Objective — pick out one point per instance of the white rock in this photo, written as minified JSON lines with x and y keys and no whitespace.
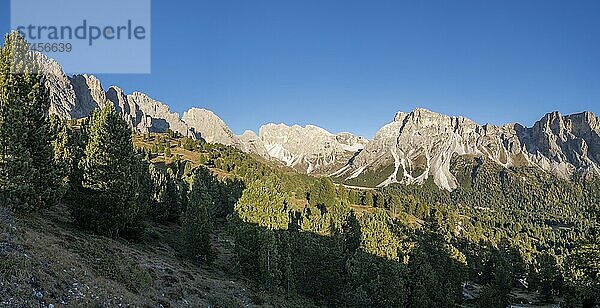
{"x":209,"y":126}
{"x":425,"y":140}
{"x":310,"y":149}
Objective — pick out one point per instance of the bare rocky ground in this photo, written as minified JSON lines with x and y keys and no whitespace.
{"x":46,"y":262}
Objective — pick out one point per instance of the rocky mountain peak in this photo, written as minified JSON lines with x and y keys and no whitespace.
{"x":209,"y":126}
{"x":89,"y":95}
{"x":62,"y":94}
{"x":584,"y":121}
{"x":423,"y":146}
{"x":248,"y":134}
{"x":413,"y":148}
{"x":351,"y":142}
{"x":116,"y":95}
{"x":424,"y":118}
{"x":154,"y":116}
{"x":309,"y":149}
{"x":552,"y":122}
{"x":250,"y":142}
{"x":400,"y":116}
{"x":77,"y":96}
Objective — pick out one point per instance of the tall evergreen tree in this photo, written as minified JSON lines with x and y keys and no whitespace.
{"x":47,"y":185}
{"x":113,"y":201}
{"x":176,"y":195}
{"x":197,"y":224}
{"x":158,"y":209}
{"x":63,"y":142}
{"x":16,"y":169}
{"x":322,"y":193}
{"x":28,"y":176}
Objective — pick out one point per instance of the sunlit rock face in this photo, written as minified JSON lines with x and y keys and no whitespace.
{"x":209,"y":126}
{"x":422,"y":143}
{"x":413,"y":148}
{"x":309,"y":149}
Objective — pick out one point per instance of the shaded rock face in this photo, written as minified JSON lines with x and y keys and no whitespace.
{"x":89,"y":95}
{"x":155,"y":116}
{"x":309,"y":149}
{"x":125,"y":107}
{"x":421,"y":145}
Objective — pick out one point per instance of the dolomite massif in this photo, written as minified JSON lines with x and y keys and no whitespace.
{"x":421,"y":145}
{"x":412,"y":149}
{"x":310,"y":149}
{"x":307,"y":149}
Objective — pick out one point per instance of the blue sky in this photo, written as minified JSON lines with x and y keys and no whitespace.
{"x":350,"y":65}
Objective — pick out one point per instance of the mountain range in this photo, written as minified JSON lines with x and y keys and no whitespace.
{"x":412,"y":149}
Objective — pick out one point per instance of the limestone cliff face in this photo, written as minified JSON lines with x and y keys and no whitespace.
{"x":422,"y":143}
{"x":250,"y":142}
{"x":415,"y":146}
{"x":89,"y":95}
{"x":62,"y":94}
{"x":127,"y":107}
{"x":77,"y":96}
{"x":209,"y":126}
{"x":156,"y":116}
{"x":309,"y":149}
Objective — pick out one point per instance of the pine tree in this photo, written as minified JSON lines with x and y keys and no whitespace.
{"x":64,"y":147}
{"x":197,"y":224}
{"x":176,"y":196}
{"x":28,"y":176}
{"x":47,"y":184}
{"x":158,"y":209}
{"x":323,"y":193}
{"x":113,"y":199}
{"x":16,"y":165}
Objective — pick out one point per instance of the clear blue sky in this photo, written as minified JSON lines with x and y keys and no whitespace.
{"x":350,"y":65}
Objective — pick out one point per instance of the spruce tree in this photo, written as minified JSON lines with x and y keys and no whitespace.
{"x":159,"y":207}
{"x":176,"y":196}
{"x":46,"y":182}
{"x":28,"y":176}
{"x":113,"y":201}
{"x":322,"y":193}
{"x":64,"y":152}
{"x":16,"y":166}
{"x":197,"y":224}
